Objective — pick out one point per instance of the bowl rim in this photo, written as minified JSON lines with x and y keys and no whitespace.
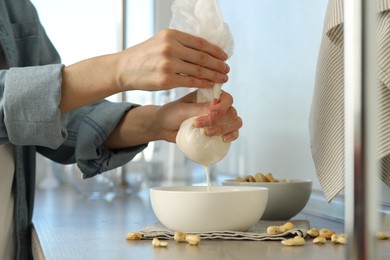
{"x":290,"y":181}
{"x":203,"y":189}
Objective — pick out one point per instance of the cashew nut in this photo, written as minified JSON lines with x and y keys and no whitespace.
{"x":157,"y":243}
{"x":240,"y":179}
{"x":326,"y":233}
{"x":382,"y":236}
{"x":313,"y":232}
{"x":259,"y":177}
{"x":133,"y":236}
{"x":286,"y":227}
{"x":319,"y":240}
{"x":193,"y":240}
{"x":270,"y":178}
{"x":274,"y":230}
{"x":296,"y":241}
{"x":180,"y":237}
{"x":249,"y":178}
{"x":339,"y":239}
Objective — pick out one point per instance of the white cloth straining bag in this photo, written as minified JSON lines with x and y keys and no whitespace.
{"x":202,"y":18}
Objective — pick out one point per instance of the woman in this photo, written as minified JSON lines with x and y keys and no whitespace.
{"x":60,"y":111}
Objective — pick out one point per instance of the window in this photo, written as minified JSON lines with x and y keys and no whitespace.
{"x":88,"y":28}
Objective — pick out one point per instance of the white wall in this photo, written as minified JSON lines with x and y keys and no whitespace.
{"x":81,"y":29}
{"x":272,"y":81}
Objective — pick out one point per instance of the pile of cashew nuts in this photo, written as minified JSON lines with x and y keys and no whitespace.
{"x":260,"y":177}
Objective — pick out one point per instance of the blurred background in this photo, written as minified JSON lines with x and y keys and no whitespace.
{"x":272,"y":80}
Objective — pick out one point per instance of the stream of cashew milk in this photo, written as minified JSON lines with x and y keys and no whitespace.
{"x":207,"y":167}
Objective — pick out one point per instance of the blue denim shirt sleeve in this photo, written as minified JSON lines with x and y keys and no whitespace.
{"x":92,"y":157}
{"x":30,"y":103}
{"x":31,"y":116}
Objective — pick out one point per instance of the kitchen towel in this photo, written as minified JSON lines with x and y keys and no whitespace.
{"x":326,"y":123}
{"x":257,"y":232}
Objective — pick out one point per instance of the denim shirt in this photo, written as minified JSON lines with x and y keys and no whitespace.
{"x":30,"y":92}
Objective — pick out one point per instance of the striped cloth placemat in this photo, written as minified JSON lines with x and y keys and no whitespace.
{"x":257,"y":232}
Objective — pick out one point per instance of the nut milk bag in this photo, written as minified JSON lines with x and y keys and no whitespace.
{"x":202,"y":18}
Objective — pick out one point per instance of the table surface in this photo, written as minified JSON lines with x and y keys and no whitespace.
{"x":68,"y":226}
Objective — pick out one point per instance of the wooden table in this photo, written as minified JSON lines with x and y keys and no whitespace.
{"x":68,"y":226}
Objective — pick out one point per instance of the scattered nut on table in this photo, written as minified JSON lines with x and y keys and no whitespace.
{"x":339,"y":239}
{"x":133,"y":236}
{"x":180,"y":237}
{"x":313,"y":232}
{"x":382,"y":236}
{"x":274,"y":230}
{"x":158,"y":243}
{"x":326,"y":233}
{"x":296,"y":241}
{"x":319,"y":240}
{"x":193,"y":240}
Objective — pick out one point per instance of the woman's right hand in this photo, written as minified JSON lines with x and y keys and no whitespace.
{"x":168,"y":60}
{"x":171,"y":59}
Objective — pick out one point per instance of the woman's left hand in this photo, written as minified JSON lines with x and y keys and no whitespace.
{"x":218,"y":117}
{"x":144,"y":124}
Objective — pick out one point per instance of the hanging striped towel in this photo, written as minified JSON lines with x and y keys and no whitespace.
{"x":326,"y":123}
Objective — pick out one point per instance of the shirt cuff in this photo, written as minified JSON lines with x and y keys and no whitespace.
{"x":91,"y":156}
{"x":31,"y":100}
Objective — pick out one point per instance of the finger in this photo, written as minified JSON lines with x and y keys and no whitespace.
{"x":224,"y":128}
{"x":230,"y":137}
{"x":221,"y":106}
{"x":214,"y":121}
{"x":203,"y":59}
{"x":230,"y":114}
{"x":191,"y":110}
{"x":200,"y":72}
{"x":181,"y":80}
{"x":198,"y":43}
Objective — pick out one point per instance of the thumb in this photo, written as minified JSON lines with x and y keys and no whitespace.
{"x":195,"y":110}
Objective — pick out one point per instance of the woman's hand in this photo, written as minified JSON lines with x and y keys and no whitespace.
{"x":172,"y":59}
{"x":168,"y":60}
{"x":217,"y":117}
{"x":150,"y":123}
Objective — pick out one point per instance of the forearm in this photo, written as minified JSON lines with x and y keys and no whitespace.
{"x":136,"y":127}
{"x":88,"y":81}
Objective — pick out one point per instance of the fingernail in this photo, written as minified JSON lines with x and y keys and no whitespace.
{"x":224,"y":55}
{"x":210,"y":131}
{"x":227,"y":138}
{"x":224,"y":78}
{"x":227,"y":68}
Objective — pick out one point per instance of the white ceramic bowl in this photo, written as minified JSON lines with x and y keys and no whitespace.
{"x":285,"y":199}
{"x":197,"y":209}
